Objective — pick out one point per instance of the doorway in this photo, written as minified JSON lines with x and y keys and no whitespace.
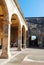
{"x":33,"y":41}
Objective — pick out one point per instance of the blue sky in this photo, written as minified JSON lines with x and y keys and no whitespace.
{"x":32,"y":8}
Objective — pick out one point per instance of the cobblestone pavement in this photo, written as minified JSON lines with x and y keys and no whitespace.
{"x":28,"y":56}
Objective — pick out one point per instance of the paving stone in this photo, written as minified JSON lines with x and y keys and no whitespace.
{"x":34,"y":54}
{"x":31,"y":63}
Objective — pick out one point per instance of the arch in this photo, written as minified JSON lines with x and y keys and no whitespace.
{"x":15,"y":17}
{"x":5,"y":9}
{"x":23,"y":37}
{"x":15,"y":31}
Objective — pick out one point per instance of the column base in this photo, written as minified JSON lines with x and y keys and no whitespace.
{"x":4,"y":56}
{"x":18,"y":49}
{"x":24,"y":46}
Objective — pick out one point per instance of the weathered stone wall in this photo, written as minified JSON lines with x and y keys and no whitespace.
{"x":36,"y":29}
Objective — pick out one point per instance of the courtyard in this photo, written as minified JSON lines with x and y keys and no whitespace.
{"x":28,"y":56}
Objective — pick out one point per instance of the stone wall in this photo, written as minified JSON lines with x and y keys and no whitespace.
{"x":36,"y":29}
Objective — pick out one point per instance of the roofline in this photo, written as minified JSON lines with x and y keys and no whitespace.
{"x":19,"y":9}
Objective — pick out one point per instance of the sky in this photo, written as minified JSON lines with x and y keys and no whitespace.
{"x":32,"y":8}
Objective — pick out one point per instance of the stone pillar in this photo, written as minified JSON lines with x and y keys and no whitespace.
{"x":9,"y":33}
{"x":19,"y":39}
{"x":24,"y":39}
{"x":5,"y":42}
{"x":5,"y":47}
{"x":1,"y":41}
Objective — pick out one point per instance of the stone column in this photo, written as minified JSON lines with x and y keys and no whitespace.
{"x":19,"y":39}
{"x":24,"y":39}
{"x":1,"y":41}
{"x":9,"y":33}
{"x":5,"y":42}
{"x":5,"y":47}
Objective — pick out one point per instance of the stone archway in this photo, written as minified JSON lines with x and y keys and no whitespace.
{"x":4,"y":20}
{"x":16,"y":38}
{"x":23,"y":37}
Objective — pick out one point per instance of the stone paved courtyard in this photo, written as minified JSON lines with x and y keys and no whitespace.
{"x":28,"y":56}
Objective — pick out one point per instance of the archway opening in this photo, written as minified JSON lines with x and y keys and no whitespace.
{"x":33,"y":41}
{"x":14,"y":36}
{"x":14,"y":31}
